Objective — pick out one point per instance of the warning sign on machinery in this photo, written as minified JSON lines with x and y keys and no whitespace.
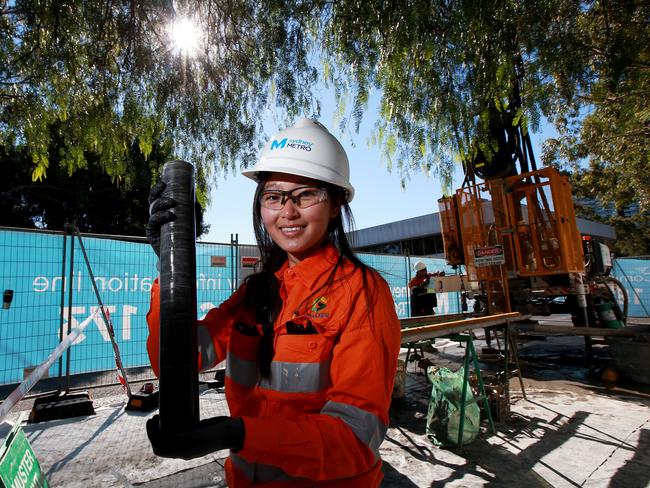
{"x":489,"y":256}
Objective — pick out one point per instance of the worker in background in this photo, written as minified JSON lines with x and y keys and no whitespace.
{"x":423,"y":302}
{"x":310,"y":342}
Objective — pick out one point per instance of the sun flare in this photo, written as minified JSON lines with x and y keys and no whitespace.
{"x":185,"y":36}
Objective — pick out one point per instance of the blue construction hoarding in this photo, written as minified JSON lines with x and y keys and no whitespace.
{"x":32,"y":268}
{"x":634,"y":275}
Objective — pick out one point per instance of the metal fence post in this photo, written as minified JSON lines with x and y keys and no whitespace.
{"x":70,"y":287}
{"x":234,"y":260}
{"x":408,"y":278}
{"x":63,"y":263}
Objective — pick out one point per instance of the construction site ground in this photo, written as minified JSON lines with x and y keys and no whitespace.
{"x":573,"y":429}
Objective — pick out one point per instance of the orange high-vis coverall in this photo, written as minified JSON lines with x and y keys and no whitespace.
{"x":319,"y":419}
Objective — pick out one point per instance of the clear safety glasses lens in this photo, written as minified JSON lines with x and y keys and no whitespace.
{"x":302,"y":197}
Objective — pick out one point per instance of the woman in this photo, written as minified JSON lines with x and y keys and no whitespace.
{"x":310,"y":342}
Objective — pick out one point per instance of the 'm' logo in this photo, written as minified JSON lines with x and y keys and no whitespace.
{"x":319,"y":304}
{"x":278,"y":144}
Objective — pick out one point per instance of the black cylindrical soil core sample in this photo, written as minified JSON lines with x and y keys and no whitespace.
{"x":178,"y":383}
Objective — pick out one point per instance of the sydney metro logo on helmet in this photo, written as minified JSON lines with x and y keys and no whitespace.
{"x":292,"y":143}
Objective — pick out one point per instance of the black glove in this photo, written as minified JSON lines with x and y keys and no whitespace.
{"x":210,"y":435}
{"x":159,"y":214}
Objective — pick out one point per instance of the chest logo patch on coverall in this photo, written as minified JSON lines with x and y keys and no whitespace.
{"x":317,"y":306}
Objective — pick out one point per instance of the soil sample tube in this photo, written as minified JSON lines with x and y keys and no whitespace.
{"x":178,"y":383}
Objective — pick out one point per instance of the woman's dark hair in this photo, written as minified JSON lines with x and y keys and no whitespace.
{"x":262,"y":288}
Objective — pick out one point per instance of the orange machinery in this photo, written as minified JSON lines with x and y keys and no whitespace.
{"x":527,"y":223}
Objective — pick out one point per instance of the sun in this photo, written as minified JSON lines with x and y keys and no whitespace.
{"x":185,"y":37}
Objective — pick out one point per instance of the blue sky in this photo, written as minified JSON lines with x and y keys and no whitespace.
{"x":379,"y":198}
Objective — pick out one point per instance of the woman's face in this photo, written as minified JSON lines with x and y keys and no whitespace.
{"x":298,"y":231}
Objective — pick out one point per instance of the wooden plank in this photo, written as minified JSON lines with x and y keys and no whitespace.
{"x":432,"y":319}
{"x":431,"y":331}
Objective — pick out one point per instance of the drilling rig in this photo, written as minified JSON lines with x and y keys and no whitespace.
{"x":512,"y":229}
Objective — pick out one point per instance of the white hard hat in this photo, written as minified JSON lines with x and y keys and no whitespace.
{"x":419,"y":265}
{"x":306,"y":149}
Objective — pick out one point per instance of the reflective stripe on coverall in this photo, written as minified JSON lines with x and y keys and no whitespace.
{"x":319,"y":419}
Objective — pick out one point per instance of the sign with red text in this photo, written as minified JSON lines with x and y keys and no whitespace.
{"x":489,"y":256}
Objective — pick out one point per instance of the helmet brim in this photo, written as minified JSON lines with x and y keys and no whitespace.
{"x":311,"y":170}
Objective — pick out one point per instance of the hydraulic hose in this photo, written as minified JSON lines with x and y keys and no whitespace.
{"x":178,"y":382}
{"x":611,"y":279}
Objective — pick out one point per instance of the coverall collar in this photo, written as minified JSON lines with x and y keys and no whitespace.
{"x":310,"y":269}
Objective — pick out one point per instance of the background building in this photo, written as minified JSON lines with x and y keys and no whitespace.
{"x":421,"y":236}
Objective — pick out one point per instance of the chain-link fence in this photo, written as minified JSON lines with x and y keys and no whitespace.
{"x":634,"y":274}
{"x":48,"y":289}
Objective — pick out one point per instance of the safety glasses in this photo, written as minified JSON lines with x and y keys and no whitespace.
{"x":302,"y":197}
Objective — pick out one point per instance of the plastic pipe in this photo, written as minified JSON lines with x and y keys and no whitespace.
{"x":178,"y":382}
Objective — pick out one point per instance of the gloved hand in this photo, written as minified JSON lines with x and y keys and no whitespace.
{"x":210,"y":435}
{"x":159,"y":214}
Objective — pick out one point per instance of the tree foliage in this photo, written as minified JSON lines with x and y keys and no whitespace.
{"x":604,"y":135}
{"x":105,"y":75}
{"x":89,"y":196}
{"x":444,"y":68}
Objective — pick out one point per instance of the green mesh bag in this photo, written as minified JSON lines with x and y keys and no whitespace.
{"x":443,"y":417}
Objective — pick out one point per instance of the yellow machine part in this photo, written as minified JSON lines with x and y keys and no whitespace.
{"x":450,"y":232}
{"x":544,"y":233}
{"x":531,"y":215}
